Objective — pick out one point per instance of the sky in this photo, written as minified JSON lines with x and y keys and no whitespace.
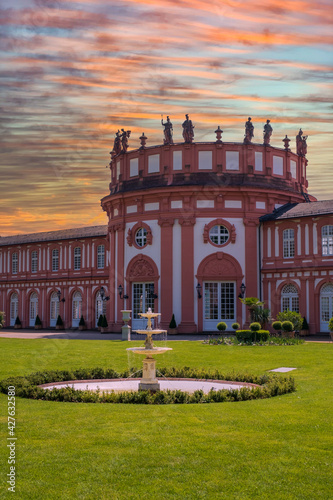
{"x":73,"y":72}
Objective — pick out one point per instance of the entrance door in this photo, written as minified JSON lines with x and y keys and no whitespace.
{"x":219,"y":304}
{"x":326,"y":306}
{"x":100,"y":308}
{"x":141,"y":302}
{"x":76,"y":309}
{"x":54,"y":309}
{"x":33,"y":309}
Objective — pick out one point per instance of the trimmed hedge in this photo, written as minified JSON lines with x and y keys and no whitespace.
{"x":269,"y":385}
{"x":252,"y":336}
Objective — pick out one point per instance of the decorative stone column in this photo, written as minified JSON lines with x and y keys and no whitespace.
{"x":166,"y":270}
{"x":126,"y":329}
{"x":187,"y":324}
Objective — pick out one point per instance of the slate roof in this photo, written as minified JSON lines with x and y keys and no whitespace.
{"x":296,"y":210}
{"x":63,"y":234}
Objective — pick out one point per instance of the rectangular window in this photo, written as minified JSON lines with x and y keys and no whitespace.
{"x":288,"y":243}
{"x":205,"y":160}
{"x":34,"y":261}
{"x":177,"y":160}
{"x":55,"y":260}
{"x":258,"y":161}
{"x":227,"y":300}
{"x":77,"y":258}
{"x":277,"y":165}
{"x":327,"y":240}
{"x":100,"y":256}
{"x":219,"y":302}
{"x":153,"y":164}
{"x":14,"y":262}
{"x":134,"y":167}
{"x":232,"y":160}
{"x":293,"y":169}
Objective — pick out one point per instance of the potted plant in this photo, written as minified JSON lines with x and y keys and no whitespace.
{"x":38,"y":323}
{"x":104,"y":326}
{"x":59,"y":323}
{"x":277,"y":325}
{"x":288,"y":329}
{"x":82,"y":324}
{"x":305,"y":328}
{"x":18,"y":323}
{"x":330,"y":327}
{"x":99,"y":322}
{"x":172,"y":330}
{"x":222,"y":326}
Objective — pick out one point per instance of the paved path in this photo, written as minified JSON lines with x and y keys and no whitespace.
{"x":95,"y":335}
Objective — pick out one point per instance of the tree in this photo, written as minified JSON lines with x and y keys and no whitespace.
{"x":258,"y":313}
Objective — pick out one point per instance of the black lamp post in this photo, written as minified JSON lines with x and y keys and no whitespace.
{"x":198,"y":289}
{"x":59,"y":295}
{"x":120,"y":291}
{"x":242,"y":289}
{"x":102,"y":294}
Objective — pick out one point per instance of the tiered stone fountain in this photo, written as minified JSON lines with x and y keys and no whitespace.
{"x":149,"y":380}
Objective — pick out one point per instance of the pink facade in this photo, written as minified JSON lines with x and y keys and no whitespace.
{"x":188,"y":224}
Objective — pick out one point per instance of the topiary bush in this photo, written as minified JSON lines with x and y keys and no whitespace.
{"x":330,"y":325}
{"x":18,"y":321}
{"x":277,"y":325}
{"x":38,"y":321}
{"x":59,"y":321}
{"x":221,"y":326}
{"x":82,"y":322}
{"x":235,"y":326}
{"x":255,"y":327}
{"x":287,"y":326}
{"x":104,"y":322}
{"x":292,"y":316}
{"x":249,"y":336}
{"x":100,"y":321}
{"x":173,"y":324}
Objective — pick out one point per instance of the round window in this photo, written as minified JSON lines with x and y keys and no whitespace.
{"x":219,"y":235}
{"x":141,"y":237}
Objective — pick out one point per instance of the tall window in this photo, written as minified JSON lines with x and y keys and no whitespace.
{"x":33,"y":308}
{"x":289,"y":298}
{"x":55,"y":260}
{"x":13,"y":308}
{"x":100,"y":256}
{"x":141,"y":237}
{"x":77,"y":258}
{"x":34,"y":261}
{"x":327,"y":240}
{"x":288,"y":243}
{"x":14,"y":262}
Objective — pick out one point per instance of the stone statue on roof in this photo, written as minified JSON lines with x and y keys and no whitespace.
{"x":124,"y":139}
{"x":168,"y":131}
{"x":249,"y":131}
{"x":301,"y":145}
{"x":188,"y":130}
{"x":268,"y":130}
{"x":116,"y":145}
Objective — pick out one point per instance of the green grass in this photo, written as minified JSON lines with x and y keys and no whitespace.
{"x":278,"y":448}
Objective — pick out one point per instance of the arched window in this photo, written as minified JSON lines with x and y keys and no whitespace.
{"x":76,"y":309}
{"x":326,"y":306}
{"x":55,"y":259}
{"x":14,"y":262}
{"x":33,"y":308}
{"x":327,"y":240}
{"x":219,"y":235}
{"x":54,"y":309}
{"x":288,"y":243}
{"x":100,"y":257}
{"x":100,"y":307}
{"x":13,"y":308}
{"x":34,"y":261}
{"x":77,"y":258}
{"x":141,"y":237}
{"x":289,"y":298}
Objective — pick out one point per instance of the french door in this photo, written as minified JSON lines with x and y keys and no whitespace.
{"x":219,"y":304}
{"x":326,"y":306}
{"x":141,"y":301}
{"x":54,"y":309}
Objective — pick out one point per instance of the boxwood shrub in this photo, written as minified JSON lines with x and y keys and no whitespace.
{"x":252,"y":336}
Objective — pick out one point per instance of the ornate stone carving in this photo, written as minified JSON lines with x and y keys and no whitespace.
{"x":268,"y":130}
{"x":218,"y":133}
{"x":220,"y":269}
{"x":141,"y":269}
{"x":188,"y":130}
{"x":116,"y":145}
{"x":131,"y":234}
{"x":168,"y":131}
{"x":286,"y":141}
{"x":301,"y":144}
{"x":249,"y":131}
{"x":143,"y":140}
{"x":124,"y":139}
{"x":187,"y":221}
{"x":166,"y":221}
{"x":220,"y":222}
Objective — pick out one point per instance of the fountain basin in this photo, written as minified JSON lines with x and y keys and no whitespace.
{"x":149,"y":352}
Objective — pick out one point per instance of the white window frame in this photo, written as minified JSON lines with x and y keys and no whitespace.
{"x":100,"y":256}
{"x":327,"y":240}
{"x":34,"y":261}
{"x":288,"y":240}
{"x":221,"y":234}
{"x":55,"y":260}
{"x":141,"y":237}
{"x":14,"y":262}
{"x":77,"y":258}
{"x":289,"y":298}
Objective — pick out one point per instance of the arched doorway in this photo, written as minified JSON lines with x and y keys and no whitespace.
{"x":100,"y":307}
{"x":326,"y":306}
{"x":13,"y":308}
{"x":289,"y":298}
{"x":54,"y":309}
{"x":221,"y":277}
{"x":76,"y":309}
{"x":33,"y":308}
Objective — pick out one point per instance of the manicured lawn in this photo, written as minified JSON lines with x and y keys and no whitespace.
{"x":280,"y":448}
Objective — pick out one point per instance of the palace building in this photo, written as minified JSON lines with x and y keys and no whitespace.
{"x":191,"y":227}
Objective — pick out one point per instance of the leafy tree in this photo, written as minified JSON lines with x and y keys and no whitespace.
{"x":292,"y":316}
{"x":258,"y":313}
